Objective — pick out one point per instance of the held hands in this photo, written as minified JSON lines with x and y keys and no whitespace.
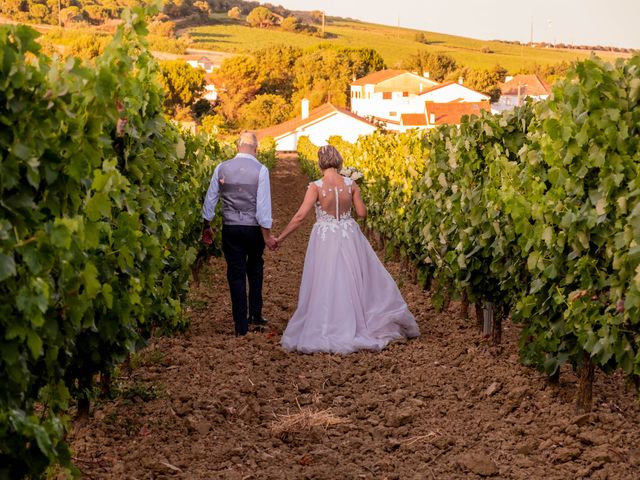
{"x":272,"y":243}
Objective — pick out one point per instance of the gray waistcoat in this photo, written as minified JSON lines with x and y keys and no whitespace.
{"x":238,"y":179}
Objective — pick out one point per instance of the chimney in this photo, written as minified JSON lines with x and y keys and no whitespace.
{"x":432,"y":118}
{"x":460,"y":80}
{"x":305,"y":108}
{"x":425,"y":74}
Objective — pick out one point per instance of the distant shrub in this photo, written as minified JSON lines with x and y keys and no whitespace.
{"x":290,"y":24}
{"x":163,"y":29}
{"x":486,"y":49}
{"x":234,"y":13}
{"x":420,"y":37}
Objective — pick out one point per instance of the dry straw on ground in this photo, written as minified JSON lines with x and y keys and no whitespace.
{"x":303,"y":421}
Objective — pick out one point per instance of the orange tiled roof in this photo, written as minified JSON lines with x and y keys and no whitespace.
{"x":315,"y":115}
{"x":413,"y":119}
{"x":529,"y":85}
{"x":453,"y":112}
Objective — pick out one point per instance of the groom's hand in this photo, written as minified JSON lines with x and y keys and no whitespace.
{"x":207,"y":235}
{"x":271,"y":242}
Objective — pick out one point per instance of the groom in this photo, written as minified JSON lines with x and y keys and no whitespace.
{"x":242,"y":184}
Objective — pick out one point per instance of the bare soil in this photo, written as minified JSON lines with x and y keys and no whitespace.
{"x":208,"y":405}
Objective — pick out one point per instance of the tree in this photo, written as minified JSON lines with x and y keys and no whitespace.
{"x":71,"y":15}
{"x":363,"y":61}
{"x":183,"y":83}
{"x":238,"y":81}
{"x":317,"y":16}
{"x":234,"y":13}
{"x":420,"y":37}
{"x":261,"y":17}
{"x":484,"y":81}
{"x":201,"y":108}
{"x":87,"y":46}
{"x":38,"y":12}
{"x":276,"y":66}
{"x":439,"y":65}
{"x":500,"y":72}
{"x":290,"y":24}
{"x":164,"y":29}
{"x":265,"y":110}
{"x":322,"y":76}
{"x":202,"y":8}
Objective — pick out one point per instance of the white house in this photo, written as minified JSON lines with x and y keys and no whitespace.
{"x":452,"y":92}
{"x":319,"y":124}
{"x":387,"y":94}
{"x":203,"y":62}
{"x":515,"y":90}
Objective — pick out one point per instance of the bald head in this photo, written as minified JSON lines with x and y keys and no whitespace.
{"x":248,"y":143}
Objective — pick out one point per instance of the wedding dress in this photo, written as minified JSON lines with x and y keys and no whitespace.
{"x":347,"y":301}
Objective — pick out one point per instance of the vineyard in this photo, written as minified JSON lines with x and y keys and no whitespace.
{"x":533,"y":214}
{"x":531,"y":217}
{"x":99,"y":228}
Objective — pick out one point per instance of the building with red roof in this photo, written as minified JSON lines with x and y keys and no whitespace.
{"x":318,"y":124}
{"x":515,"y":90}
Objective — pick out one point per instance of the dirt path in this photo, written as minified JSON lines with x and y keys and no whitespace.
{"x":204,"y":405}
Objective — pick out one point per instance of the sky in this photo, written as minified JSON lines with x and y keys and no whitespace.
{"x":579,"y":22}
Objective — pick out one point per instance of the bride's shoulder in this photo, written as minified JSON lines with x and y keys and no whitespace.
{"x":317,"y":183}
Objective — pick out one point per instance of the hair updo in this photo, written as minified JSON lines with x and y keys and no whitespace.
{"x":329,"y":157}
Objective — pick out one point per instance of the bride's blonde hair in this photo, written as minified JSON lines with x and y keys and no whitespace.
{"x":329,"y":157}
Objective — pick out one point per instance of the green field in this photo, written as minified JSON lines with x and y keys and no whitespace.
{"x":393,"y":43}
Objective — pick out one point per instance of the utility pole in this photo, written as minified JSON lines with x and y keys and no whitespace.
{"x":59,"y":15}
{"x":531,"y":37}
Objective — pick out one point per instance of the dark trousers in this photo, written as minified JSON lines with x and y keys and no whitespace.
{"x":243,"y":247}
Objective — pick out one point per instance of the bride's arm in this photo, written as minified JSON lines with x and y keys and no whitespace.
{"x":358,"y":204}
{"x":307,"y":204}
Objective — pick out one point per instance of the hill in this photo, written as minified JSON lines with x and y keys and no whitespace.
{"x":393,"y":43}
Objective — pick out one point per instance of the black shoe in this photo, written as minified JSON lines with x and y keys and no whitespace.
{"x":260,"y":322}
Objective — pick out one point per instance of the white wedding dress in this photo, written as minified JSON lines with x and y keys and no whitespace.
{"x":347,"y":301}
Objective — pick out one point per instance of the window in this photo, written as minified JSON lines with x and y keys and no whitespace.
{"x":405,"y":94}
{"x":386,"y":95}
{"x":393,"y":114}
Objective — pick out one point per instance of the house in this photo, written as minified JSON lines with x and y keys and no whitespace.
{"x":452,"y":92}
{"x":388,"y":94}
{"x":436,"y":114}
{"x":318,"y":124}
{"x":211,"y":92}
{"x":203,"y":62}
{"x":516,"y":89}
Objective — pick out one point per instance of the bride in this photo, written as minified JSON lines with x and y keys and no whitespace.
{"x":347,"y":301}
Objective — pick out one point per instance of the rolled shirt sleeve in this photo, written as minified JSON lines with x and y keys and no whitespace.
{"x":263,"y":205}
{"x":211,"y":199}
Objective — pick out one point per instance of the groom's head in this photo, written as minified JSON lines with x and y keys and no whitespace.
{"x":248,"y":143}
